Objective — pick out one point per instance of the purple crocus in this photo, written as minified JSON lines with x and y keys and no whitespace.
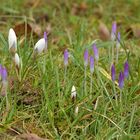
{"x":45,"y":37}
{"x":113,"y":32}
{"x":66,"y":55}
{"x":86,"y":58}
{"x":95,"y":50}
{"x":4,"y":74}
{"x":126,"y":69}
{"x":91,"y":64}
{"x":121,"y":80}
{"x":118,"y":40}
{"x":113,"y":72}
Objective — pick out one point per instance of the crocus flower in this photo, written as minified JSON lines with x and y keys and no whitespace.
{"x":126,"y":69}
{"x":45,"y":37}
{"x":121,"y":80}
{"x":95,"y":50}
{"x":118,"y":40}
{"x":17,"y":60}
{"x":113,"y":32}
{"x":40,"y":46}
{"x":66,"y":55}
{"x":76,"y":110}
{"x":12,"y":40}
{"x":91,"y":64}
{"x":86,"y":58}
{"x":4,"y":81}
{"x":4,"y":74}
{"x":73,"y":92}
{"x":113,"y":72}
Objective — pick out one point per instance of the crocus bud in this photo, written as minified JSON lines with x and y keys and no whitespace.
{"x":40,"y":46}
{"x":12,"y":40}
{"x":113,"y":32}
{"x":118,"y":40}
{"x":17,"y":60}
{"x":73,"y":92}
{"x":121,"y":80}
{"x":91,"y":64}
{"x":126,"y":69}
{"x":76,"y":110}
{"x":66,"y":55}
{"x":4,"y":74}
{"x":95,"y":50}
{"x":86,"y":58}
{"x":46,"y":41}
{"x":113,"y":72}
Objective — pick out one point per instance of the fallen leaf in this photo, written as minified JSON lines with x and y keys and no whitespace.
{"x":104,"y":33}
{"x":23,"y":27}
{"x":78,"y":9}
{"x":133,"y":31}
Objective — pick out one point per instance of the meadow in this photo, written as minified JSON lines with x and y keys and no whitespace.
{"x":70,"y":70}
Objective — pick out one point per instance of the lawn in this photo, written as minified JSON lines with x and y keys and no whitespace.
{"x":71,"y":70}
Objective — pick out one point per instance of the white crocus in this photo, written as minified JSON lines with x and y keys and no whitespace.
{"x":12,"y":40}
{"x":76,"y":110}
{"x":40,"y":46}
{"x":73,"y":92}
{"x":17,"y":60}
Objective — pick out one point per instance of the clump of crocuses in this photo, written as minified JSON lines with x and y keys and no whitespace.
{"x":122,"y":75}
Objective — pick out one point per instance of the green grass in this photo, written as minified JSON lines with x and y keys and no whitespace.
{"x":39,"y":99}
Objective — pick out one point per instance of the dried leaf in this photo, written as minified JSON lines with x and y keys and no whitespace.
{"x":104,"y":33}
{"x":133,"y":31}
{"x":78,"y":9}
{"x":23,"y":27}
{"x":31,"y":136}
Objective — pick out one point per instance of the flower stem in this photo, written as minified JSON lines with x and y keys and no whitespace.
{"x":91,"y":81}
{"x":65,"y":74}
{"x":85,"y":75}
{"x":117,"y":54}
{"x":116,"y":99}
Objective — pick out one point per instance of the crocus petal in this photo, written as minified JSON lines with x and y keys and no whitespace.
{"x":12,"y":40}
{"x":17,"y":60}
{"x":95,"y":50}
{"x":118,"y":40}
{"x":126,"y":69}
{"x":121,"y":80}
{"x":66,"y":55}
{"x":73,"y":92}
{"x":91,"y":64}
{"x":76,"y":110}
{"x":40,"y":45}
{"x":113,"y":32}
{"x":86,"y":58}
{"x":4,"y":74}
{"x":46,"y":41}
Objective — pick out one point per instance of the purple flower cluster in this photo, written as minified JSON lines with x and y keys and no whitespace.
{"x":122,"y":75}
{"x":91,"y":58}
